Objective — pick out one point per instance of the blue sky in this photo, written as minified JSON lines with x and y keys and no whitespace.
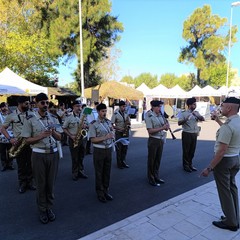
{"x":152,"y":35}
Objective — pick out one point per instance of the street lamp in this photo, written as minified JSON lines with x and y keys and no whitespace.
{"x":234,"y":4}
{"x":81,"y":48}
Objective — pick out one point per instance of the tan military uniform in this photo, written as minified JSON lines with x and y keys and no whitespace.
{"x":44,"y":157}
{"x":191,"y":125}
{"x":102,"y":155}
{"x":227,"y":168}
{"x":71,"y":123}
{"x":189,"y":138}
{"x":16,"y":120}
{"x":121,"y":121}
{"x":155,"y":146}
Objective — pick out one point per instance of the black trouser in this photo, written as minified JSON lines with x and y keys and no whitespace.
{"x":155,"y":149}
{"x":5,"y":160}
{"x":88,"y":147}
{"x":189,"y":142}
{"x":102,"y":159}
{"x":121,"y":150}
{"x":77,"y":155}
{"x":24,"y":164}
{"x":45,"y":168}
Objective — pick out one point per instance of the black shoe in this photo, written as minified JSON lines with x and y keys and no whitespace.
{"x":50,"y":214}
{"x":220,"y":224}
{"x":22,"y":189}
{"x":125,"y":165}
{"x":81,"y":174}
{"x":153,"y":183}
{"x":121,"y":167}
{"x":187,"y":169}
{"x":102,"y":199}
{"x":159,"y":180}
{"x":43,"y":217}
{"x":193,"y":168}
{"x":31,"y":187}
{"x":108,"y":196}
{"x":223,"y":218}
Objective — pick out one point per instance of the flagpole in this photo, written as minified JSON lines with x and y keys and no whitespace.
{"x":81,"y":49}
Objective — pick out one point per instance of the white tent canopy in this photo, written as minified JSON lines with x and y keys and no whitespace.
{"x":159,"y":91}
{"x":209,"y":91}
{"x":144,"y":89}
{"x":10,"y":90}
{"x":195,"y":92}
{"x":176,"y":92}
{"x":13,"y":80}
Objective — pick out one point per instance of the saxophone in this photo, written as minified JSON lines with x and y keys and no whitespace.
{"x":16,"y":149}
{"x":127,"y":126}
{"x":81,"y":133}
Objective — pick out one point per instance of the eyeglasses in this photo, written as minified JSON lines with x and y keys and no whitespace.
{"x":44,"y":102}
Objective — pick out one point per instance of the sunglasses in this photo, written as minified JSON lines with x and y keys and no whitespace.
{"x":44,"y":102}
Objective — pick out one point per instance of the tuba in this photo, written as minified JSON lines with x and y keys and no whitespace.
{"x":81,"y":133}
{"x":16,"y":149}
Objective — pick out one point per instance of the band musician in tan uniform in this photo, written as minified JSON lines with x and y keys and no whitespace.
{"x":156,"y":127}
{"x":42,"y":131}
{"x":71,"y":128}
{"x":121,"y":123}
{"x":225,"y":163}
{"x":101,"y":135}
{"x":16,"y":119}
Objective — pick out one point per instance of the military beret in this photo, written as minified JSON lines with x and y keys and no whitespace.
{"x":41,"y":96}
{"x":156,"y":103}
{"x":22,"y":99}
{"x":2,"y":104}
{"x":232,"y":100}
{"x":122,"y":103}
{"x":191,"y":101}
{"x":101,"y":106}
{"x":76,"y":102}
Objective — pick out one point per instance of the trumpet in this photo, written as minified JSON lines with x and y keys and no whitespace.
{"x":216,"y":113}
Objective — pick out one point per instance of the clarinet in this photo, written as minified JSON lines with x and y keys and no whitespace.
{"x":166,"y":122}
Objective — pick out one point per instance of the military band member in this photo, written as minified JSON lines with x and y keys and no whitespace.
{"x":156,"y":127}
{"x":71,"y":127}
{"x":101,"y":135}
{"x":93,"y":116}
{"x":42,"y":131}
{"x":121,"y":123}
{"x":189,"y":120}
{"x":16,"y":119}
{"x":5,"y":145}
{"x":225,"y":163}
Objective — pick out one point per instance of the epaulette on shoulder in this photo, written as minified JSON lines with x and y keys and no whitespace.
{"x":115,"y":113}
{"x":29,"y":116}
{"x":93,"y":122}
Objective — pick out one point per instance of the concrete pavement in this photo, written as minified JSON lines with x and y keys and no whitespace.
{"x":187,"y":216}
